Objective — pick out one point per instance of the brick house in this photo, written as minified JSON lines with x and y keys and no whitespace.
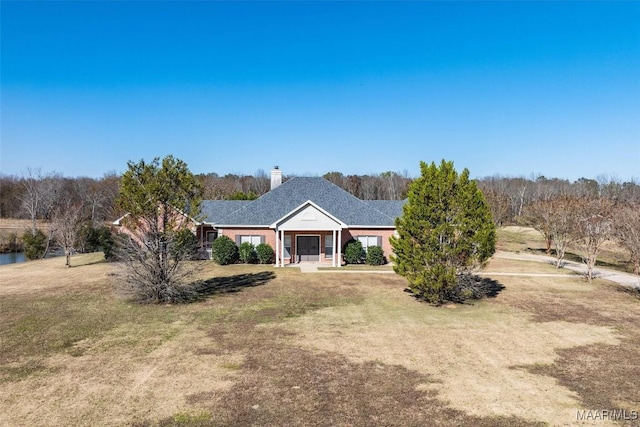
{"x":305,"y":219}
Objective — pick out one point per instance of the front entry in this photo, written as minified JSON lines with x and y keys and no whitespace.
{"x":308,"y":248}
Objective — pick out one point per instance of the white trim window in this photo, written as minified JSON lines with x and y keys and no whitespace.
{"x":368,"y":241}
{"x":255,"y":240}
{"x":328,"y":246}
{"x":287,"y":246}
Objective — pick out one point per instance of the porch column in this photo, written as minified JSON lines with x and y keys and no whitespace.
{"x":277,"y":247}
{"x":333,"y":255}
{"x":339,"y":247}
{"x":282,"y":247}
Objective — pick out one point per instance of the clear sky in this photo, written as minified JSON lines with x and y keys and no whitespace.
{"x":510,"y":88}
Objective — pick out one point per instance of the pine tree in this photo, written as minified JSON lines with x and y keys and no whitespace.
{"x":162,"y":199}
{"x":446,"y":231}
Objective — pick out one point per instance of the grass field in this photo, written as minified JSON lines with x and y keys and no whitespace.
{"x":276,"y":347}
{"x":11,"y":231}
{"x":19,"y":226}
{"x":525,"y":239}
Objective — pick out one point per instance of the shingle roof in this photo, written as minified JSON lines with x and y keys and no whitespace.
{"x":283,"y":199}
{"x":392,"y":208}
{"x":214,"y":210}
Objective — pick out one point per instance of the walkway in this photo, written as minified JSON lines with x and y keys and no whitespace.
{"x":307,"y":268}
{"x":313,"y":268}
{"x":598,"y":272}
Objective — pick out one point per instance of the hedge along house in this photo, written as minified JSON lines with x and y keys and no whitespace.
{"x":305,"y":219}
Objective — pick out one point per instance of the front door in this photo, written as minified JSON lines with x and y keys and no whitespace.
{"x":308,"y":248}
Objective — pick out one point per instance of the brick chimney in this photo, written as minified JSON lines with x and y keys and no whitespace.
{"x":276,"y":177}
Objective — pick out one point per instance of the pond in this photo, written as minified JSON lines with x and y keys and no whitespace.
{"x":12,"y":258}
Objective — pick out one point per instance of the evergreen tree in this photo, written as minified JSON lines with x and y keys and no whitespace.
{"x":162,"y":200}
{"x":446,"y":230}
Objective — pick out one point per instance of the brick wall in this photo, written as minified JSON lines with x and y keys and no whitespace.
{"x":270,"y":237}
{"x":384,"y":233}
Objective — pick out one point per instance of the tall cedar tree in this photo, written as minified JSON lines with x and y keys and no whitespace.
{"x":446,"y":230}
{"x":161,"y":199}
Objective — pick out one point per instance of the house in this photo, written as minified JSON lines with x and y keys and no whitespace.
{"x":305,"y":219}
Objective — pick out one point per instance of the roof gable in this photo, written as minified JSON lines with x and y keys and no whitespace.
{"x":308,"y":216}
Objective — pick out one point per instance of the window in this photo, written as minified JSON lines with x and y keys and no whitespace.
{"x":328,"y":246}
{"x":211,"y":236}
{"x":368,"y":241}
{"x":254,"y":240}
{"x":287,"y":246}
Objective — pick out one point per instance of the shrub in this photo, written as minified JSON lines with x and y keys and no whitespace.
{"x":247,"y":253}
{"x":375,"y":256}
{"x":87,"y":239}
{"x":34,"y":244}
{"x":265,"y":253}
{"x":224,"y":251}
{"x":353,"y":252}
{"x":105,"y":237}
{"x":96,"y":239}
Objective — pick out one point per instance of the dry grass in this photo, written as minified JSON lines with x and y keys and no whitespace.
{"x":469,"y":352}
{"x":305,"y":349}
{"x":525,"y":239}
{"x":603,"y":375}
{"x":519,"y":239}
{"x":517,"y":266}
{"x":18,"y":226}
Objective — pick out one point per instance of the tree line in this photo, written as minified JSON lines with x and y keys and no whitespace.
{"x":558,"y":208}
{"x":38,"y":195}
{"x":509,"y":196}
{"x":72,"y":214}
{"x":583,"y":214}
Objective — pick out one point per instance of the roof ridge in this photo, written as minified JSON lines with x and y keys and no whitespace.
{"x":383,"y":200}
{"x":357,"y":198}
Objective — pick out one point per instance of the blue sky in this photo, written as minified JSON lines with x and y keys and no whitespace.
{"x":509,"y":88}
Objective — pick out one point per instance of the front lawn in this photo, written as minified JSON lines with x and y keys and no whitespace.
{"x":276,"y":347}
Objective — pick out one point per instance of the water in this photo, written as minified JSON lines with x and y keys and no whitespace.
{"x":12,"y":257}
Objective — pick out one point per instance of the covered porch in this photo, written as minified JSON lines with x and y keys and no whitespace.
{"x":308,"y":234}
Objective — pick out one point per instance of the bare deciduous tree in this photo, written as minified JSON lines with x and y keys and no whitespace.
{"x":627,"y":232}
{"x":261,"y":182}
{"x":562,"y":225}
{"x":539,"y":215}
{"x":51,"y":192}
{"x":32,"y":195}
{"x":594,"y":226}
{"x":368,"y":188}
{"x":65,"y":225}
